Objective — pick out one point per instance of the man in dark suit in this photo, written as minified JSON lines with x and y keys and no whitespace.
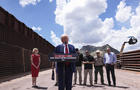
{"x":65,"y":69}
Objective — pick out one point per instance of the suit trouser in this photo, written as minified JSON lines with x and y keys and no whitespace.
{"x":78,"y":70}
{"x":90,"y":71}
{"x":110,"y":68}
{"x":64,"y":78}
{"x":100,"y":70}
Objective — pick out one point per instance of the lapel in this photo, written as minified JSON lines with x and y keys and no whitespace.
{"x":70,"y":49}
{"x":62,"y":48}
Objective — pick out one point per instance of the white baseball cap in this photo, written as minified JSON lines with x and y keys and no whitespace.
{"x":98,"y":51}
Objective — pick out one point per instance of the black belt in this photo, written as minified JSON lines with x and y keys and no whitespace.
{"x":108,"y":64}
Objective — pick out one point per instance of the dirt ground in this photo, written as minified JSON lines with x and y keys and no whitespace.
{"x":126,"y":80}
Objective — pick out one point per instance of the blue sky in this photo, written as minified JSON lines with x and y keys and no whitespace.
{"x":57,"y":17}
{"x":40,"y":15}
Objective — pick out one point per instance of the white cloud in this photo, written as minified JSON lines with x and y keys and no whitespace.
{"x":135,"y":24}
{"x":135,"y":21}
{"x":36,"y":28}
{"x":77,"y":15}
{"x":80,"y":19}
{"x":23,"y":3}
{"x":55,"y":39}
{"x":123,"y":12}
{"x":117,"y":37}
{"x":50,"y":1}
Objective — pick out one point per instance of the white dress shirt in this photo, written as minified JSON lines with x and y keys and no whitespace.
{"x":110,"y":58}
{"x":65,"y":48}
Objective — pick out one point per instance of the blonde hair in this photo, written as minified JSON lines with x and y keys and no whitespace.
{"x":64,"y":36}
{"x":34,"y":50}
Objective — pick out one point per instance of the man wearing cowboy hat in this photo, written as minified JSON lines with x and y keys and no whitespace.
{"x":98,"y":65}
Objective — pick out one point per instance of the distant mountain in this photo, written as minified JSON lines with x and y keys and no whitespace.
{"x":92,"y":49}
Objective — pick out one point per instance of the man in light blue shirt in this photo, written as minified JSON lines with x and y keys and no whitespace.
{"x":110,"y":60}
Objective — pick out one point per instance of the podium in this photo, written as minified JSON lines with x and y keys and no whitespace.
{"x":58,"y":57}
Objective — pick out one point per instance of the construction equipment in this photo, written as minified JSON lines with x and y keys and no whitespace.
{"x":131,"y":41}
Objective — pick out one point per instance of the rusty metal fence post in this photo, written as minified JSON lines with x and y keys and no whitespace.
{"x":23,"y":59}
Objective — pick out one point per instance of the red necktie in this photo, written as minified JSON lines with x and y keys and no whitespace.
{"x":66,"y":52}
{"x":66,"y":49}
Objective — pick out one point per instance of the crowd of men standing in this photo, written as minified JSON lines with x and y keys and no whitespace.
{"x":65,"y":75}
{"x":108,"y":60}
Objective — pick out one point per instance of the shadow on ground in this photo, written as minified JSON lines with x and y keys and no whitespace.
{"x":43,"y":88}
{"x":102,"y":86}
{"x":124,"y":87}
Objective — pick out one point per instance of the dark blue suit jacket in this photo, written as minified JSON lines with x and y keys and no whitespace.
{"x":60,"y":49}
